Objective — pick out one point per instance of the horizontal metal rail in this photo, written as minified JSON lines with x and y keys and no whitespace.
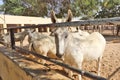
{"x":83,"y":73}
{"x":115,"y":20}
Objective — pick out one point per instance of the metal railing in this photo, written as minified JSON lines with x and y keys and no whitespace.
{"x":64,"y":24}
{"x":82,"y":72}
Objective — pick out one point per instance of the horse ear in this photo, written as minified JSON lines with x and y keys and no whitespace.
{"x":53,"y":17}
{"x":69,"y":17}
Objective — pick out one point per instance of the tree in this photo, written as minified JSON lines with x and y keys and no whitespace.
{"x":85,"y":7}
{"x":109,"y":8}
{"x":36,"y":7}
{"x":25,"y":7}
{"x":13,"y":7}
{"x":60,"y":7}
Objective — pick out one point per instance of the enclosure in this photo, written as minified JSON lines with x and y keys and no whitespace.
{"x":32,"y":69}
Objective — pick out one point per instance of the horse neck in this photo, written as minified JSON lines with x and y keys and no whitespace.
{"x":25,"y":32}
{"x":21,"y":34}
{"x":30,"y":34}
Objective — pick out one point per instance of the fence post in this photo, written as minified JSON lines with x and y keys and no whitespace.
{"x":12,"y":39}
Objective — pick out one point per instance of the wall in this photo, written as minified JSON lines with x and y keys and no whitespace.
{"x":10,"y":71}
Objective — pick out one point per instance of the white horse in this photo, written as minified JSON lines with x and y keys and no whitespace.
{"x":74,"y":48}
{"x":20,"y":36}
{"x":44,"y":44}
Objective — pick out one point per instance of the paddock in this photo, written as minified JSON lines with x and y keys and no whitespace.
{"x":110,"y":68}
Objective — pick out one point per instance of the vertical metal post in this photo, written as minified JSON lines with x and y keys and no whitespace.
{"x":12,"y":39}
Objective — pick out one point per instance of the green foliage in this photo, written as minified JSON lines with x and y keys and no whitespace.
{"x":25,"y":7}
{"x":85,"y":8}
{"x":13,"y":7}
{"x":35,"y":7}
{"x":109,"y":8}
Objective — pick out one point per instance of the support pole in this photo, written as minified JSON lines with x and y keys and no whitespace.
{"x":12,"y":39}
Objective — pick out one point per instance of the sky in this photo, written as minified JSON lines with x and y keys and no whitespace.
{"x":1,"y":2}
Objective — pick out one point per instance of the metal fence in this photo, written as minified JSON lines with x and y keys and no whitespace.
{"x":82,"y":72}
{"x":64,"y":24}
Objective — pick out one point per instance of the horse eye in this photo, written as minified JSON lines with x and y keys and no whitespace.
{"x":66,"y":36}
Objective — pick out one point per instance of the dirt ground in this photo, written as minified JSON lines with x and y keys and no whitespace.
{"x":110,"y":66}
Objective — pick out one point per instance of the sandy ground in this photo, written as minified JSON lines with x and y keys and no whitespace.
{"x":110,"y":66}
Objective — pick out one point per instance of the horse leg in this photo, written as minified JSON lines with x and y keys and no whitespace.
{"x":99,"y":65}
{"x":118,"y":29}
